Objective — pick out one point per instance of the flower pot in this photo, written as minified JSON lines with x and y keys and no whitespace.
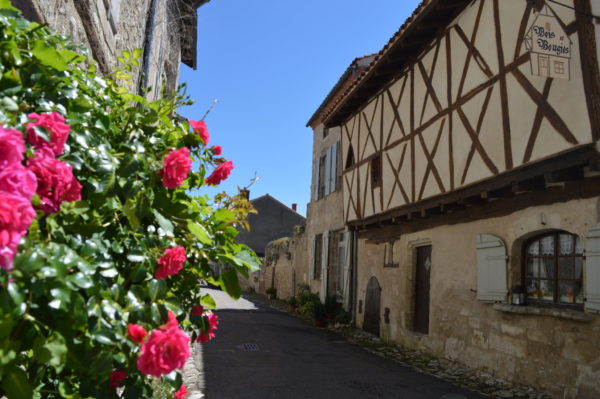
{"x":320,"y":323}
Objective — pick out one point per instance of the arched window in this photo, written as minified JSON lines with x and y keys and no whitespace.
{"x":553,"y":269}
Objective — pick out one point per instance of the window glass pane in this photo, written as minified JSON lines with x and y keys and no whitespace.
{"x":566,"y":244}
{"x":534,"y":248}
{"x":547,"y":245}
{"x":578,"y":292}
{"x":533,"y":267}
{"x":566,"y":267}
{"x":547,"y":267}
{"x":547,"y":290}
{"x":533,"y":289}
{"x":578,"y":267}
{"x":578,"y":246}
{"x":567,"y":291}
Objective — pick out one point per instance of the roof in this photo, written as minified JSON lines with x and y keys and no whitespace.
{"x":274,"y":220}
{"x":426,"y":21}
{"x":356,"y":66}
{"x":189,"y":31}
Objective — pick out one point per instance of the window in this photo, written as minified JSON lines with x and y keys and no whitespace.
{"x":317,"y":256}
{"x":322,"y":180}
{"x":341,"y":261}
{"x":325,"y":132}
{"x":376,"y":171}
{"x":328,"y":176}
{"x":389,"y":258}
{"x":559,"y":67}
{"x":350,"y":157}
{"x":553,"y":269}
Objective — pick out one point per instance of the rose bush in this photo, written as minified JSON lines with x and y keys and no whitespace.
{"x":102,"y":244}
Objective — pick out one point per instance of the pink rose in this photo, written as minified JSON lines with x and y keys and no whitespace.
{"x":171,"y":321}
{"x":181,"y":393}
{"x":201,"y":129}
{"x":209,"y":334}
{"x":136,"y":333}
{"x":220,"y":173}
{"x":16,"y":215}
{"x":197,"y":310}
{"x":176,"y":166}
{"x":117,"y":377}
{"x":17,"y":179}
{"x":12,"y":147}
{"x":217,"y":149}
{"x":55,"y":124}
{"x":171,"y":262}
{"x":165,"y":351}
{"x":56,"y":182}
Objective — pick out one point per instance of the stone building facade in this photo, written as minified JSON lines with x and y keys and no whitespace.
{"x":165,"y":30}
{"x":471,"y":181}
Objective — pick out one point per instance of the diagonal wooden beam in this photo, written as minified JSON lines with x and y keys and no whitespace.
{"x":508,"y":161}
{"x":427,"y":79}
{"x":537,"y":123}
{"x":431,"y":166}
{"x":522,"y":28}
{"x":479,"y":124}
{"x":549,"y":112}
{"x":397,"y":175}
{"x":480,"y":150}
{"x":430,"y":163}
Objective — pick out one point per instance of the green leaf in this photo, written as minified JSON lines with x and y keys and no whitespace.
{"x":130,"y":212}
{"x":7,"y":5}
{"x":163,"y":222}
{"x":48,"y":55}
{"x":200,"y":232}
{"x":16,"y":385}
{"x":208,"y":302}
{"x":229,"y":282}
{"x":156,"y":289}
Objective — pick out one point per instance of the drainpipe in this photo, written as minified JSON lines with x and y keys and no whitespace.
{"x":148,"y":42}
{"x":354,"y":287}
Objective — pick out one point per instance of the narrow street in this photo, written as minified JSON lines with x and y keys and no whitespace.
{"x":263,"y":353}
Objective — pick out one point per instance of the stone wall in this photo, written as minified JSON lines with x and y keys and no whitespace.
{"x":285,"y":265}
{"x":554,"y":351}
{"x":88,"y":23}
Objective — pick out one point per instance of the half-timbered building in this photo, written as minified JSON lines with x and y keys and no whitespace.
{"x":471,"y":176}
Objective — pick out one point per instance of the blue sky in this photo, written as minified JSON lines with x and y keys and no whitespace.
{"x":270,"y":63}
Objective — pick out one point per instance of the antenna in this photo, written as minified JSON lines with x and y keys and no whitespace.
{"x":253,"y":180}
{"x":214,"y":104}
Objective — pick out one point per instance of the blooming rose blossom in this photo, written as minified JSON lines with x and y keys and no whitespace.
{"x":176,"y":166}
{"x":12,"y":147}
{"x":171,"y":262}
{"x":17,"y":179}
{"x":56,"y":182}
{"x":200,"y":128}
{"x":220,"y":173}
{"x":181,"y":393}
{"x":55,"y":125}
{"x":16,"y":215}
{"x":171,"y":321}
{"x":136,"y":333}
{"x":165,"y":351}
{"x":217,"y":149}
{"x":117,"y":377}
{"x":209,"y":334}
{"x":197,"y":310}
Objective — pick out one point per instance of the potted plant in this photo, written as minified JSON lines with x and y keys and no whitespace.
{"x":293,"y":305}
{"x":271,"y":292}
{"x":319,"y":315}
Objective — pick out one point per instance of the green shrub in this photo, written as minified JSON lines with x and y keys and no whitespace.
{"x":343,"y":317}
{"x":84,"y":274}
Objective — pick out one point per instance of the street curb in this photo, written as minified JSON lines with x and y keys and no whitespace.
{"x":193,"y":373}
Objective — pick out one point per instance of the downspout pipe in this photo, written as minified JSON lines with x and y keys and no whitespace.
{"x":148,"y":43}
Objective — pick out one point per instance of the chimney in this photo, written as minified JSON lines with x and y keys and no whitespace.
{"x":294,"y":207}
{"x":245,"y":193}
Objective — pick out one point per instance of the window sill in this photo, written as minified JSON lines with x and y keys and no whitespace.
{"x":567,"y":314}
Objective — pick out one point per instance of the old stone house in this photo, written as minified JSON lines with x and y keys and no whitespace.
{"x":471,"y":179}
{"x":164,"y":29}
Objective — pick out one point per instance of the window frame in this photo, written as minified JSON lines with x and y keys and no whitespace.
{"x":556,"y":279}
{"x":376,"y":165}
{"x":317,"y":256}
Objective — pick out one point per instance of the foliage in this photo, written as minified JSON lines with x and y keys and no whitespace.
{"x":331,"y":304}
{"x":293,"y":301}
{"x":84,"y":273}
{"x":343,"y":317}
{"x":271,"y":291}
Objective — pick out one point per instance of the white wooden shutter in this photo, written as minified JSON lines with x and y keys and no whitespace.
{"x":592,"y":270}
{"x":324,"y":264}
{"x":347,"y":267}
{"x":327,"y":171}
{"x":491,"y":268}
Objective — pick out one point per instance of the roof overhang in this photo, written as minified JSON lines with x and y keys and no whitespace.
{"x":189,"y":31}
{"x":428,"y":20}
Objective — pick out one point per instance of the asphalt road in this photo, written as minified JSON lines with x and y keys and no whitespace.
{"x":262,"y":353}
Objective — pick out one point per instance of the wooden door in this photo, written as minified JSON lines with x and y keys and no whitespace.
{"x":544,"y":65}
{"x":372,"y":307}
{"x":422,"y":288}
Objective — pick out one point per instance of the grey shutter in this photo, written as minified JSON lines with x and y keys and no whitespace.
{"x":327,"y":171}
{"x":491,"y":268}
{"x":324,"y":264}
{"x":313,"y":259}
{"x":347,"y":266}
{"x":317,"y":176}
{"x":592,"y":270}
{"x":333,"y":169}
